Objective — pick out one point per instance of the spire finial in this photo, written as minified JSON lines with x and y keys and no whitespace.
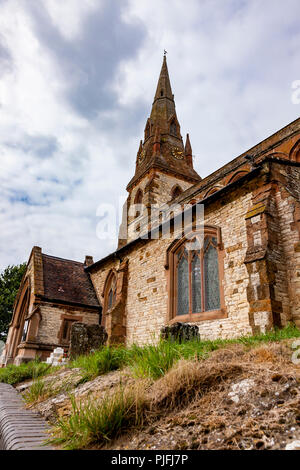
{"x":165,"y":53}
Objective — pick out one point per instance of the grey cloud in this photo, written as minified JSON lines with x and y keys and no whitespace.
{"x":6,"y":62}
{"x":90,"y":62}
{"x":41,"y":146}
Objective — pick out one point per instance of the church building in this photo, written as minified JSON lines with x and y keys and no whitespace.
{"x":232,"y":273}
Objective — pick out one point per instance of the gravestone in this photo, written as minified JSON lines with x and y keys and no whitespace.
{"x":180,"y":332}
{"x":57,"y":358}
{"x":86,"y":338}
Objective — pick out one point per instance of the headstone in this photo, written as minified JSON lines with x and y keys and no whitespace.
{"x":86,"y":338}
{"x":180,"y":332}
{"x":57,"y":358}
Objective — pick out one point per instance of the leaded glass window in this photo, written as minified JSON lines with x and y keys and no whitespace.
{"x":25,"y":330}
{"x":197,"y":278}
{"x":111,"y":297}
{"x":183,"y":284}
{"x":211,"y":270}
{"x":196,"y":283}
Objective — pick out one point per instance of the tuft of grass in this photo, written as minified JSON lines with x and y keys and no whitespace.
{"x":153,"y":361}
{"x":99,"y":422}
{"x":201,"y":349}
{"x":277,"y":334}
{"x":12,"y":374}
{"x":39,"y":391}
{"x":101,"y":361}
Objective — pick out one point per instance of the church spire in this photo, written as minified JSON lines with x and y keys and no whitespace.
{"x":163,"y":112}
{"x":163,"y":149}
{"x":164,"y":89}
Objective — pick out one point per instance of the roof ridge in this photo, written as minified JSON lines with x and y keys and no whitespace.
{"x":62,"y":259}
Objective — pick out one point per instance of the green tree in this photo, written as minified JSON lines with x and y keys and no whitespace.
{"x":10,"y":280}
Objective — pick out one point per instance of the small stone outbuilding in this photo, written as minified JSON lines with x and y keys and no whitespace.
{"x":54,"y":293}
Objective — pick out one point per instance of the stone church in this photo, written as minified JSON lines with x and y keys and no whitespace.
{"x":241,"y":277}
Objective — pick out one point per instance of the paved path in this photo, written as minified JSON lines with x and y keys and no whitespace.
{"x":20,"y":428}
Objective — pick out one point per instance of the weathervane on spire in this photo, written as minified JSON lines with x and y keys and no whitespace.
{"x":165,"y":53}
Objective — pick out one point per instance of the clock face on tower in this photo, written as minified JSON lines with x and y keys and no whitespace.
{"x":177,"y":153}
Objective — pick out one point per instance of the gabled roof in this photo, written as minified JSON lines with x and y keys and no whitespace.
{"x":66,"y":280}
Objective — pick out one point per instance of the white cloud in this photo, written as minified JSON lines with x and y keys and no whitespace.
{"x":68,"y":16}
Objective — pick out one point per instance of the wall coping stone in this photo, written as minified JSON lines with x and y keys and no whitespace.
{"x":20,"y":428}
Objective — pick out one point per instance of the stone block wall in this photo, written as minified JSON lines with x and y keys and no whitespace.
{"x":52,"y":316}
{"x":157,"y":192}
{"x":288,"y":203}
{"x":147,"y":297}
{"x":260,"y":230}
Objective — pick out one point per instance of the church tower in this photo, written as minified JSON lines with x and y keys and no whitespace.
{"x":164,"y":166}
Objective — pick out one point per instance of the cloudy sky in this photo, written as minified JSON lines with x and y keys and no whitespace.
{"x":77,"y":79}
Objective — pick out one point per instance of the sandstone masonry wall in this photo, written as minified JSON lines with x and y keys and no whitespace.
{"x":288,"y":202}
{"x":52,"y":320}
{"x":147,"y":297}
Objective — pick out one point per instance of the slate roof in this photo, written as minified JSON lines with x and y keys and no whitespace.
{"x":67,"y":281}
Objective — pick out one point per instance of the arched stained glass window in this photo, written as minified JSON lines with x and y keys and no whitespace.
{"x":197,"y":278}
{"x":211,"y":277}
{"x":183,"y":284}
{"x":110,"y":299}
{"x":196,"y":283}
{"x":110,"y":294}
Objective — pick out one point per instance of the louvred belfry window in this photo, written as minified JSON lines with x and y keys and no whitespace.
{"x":173,"y":128}
{"x":196,"y":277}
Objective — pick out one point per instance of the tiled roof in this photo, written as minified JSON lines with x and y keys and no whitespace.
{"x":67,"y":281}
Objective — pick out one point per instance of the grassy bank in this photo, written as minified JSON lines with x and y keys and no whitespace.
{"x":170,"y":377}
{"x":152,"y":361}
{"x":149,"y":361}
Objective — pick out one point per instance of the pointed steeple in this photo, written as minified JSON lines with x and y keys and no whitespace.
{"x":163,"y":149}
{"x":164,"y":89}
{"x":163,"y":108}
